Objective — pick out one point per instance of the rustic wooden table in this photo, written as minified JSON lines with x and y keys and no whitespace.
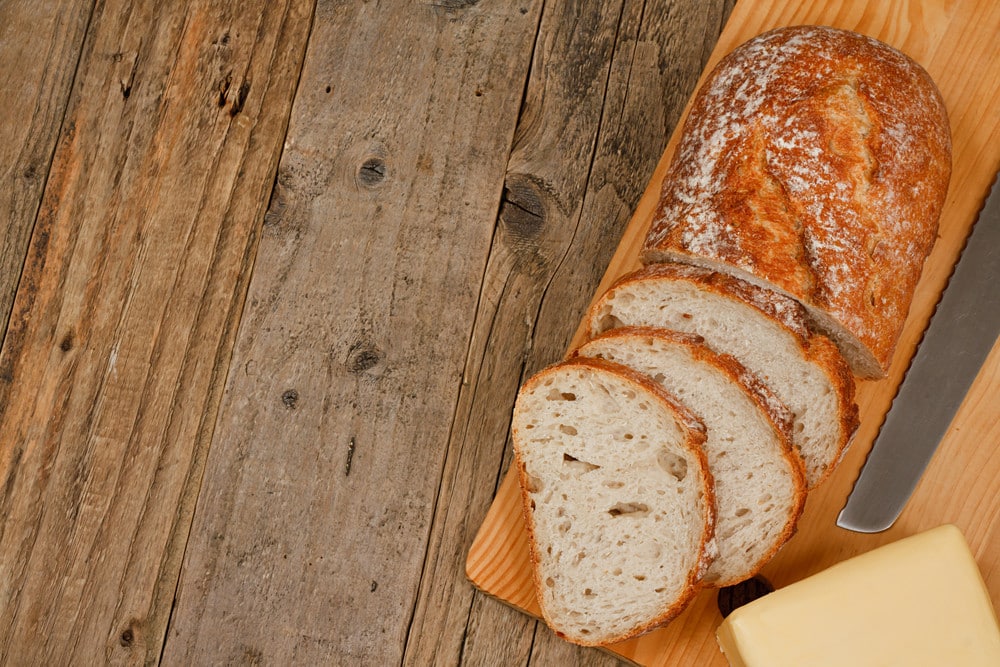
{"x":270,"y":276}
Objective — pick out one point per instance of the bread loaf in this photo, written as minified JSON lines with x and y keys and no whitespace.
{"x":617,"y":499}
{"x":765,"y":331}
{"x":814,"y":161}
{"x":760,"y":487}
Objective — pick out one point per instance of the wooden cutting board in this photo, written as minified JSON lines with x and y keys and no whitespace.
{"x":958,"y":42}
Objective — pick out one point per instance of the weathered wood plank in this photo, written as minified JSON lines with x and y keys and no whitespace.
{"x":544,"y":188}
{"x":496,"y":634}
{"x":123,"y":322}
{"x":308,"y":541}
{"x":40,"y":44}
{"x":608,"y":82}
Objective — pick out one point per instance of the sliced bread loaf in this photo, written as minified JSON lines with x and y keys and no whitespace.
{"x":765,"y":331}
{"x":759,"y":482}
{"x":618,"y":499}
{"x":814,"y":161}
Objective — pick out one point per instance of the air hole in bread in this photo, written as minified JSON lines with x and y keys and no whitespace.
{"x":550,"y":582}
{"x":584,"y":631}
{"x":629,"y":394}
{"x":577,"y":466}
{"x":644,"y":406}
{"x":629,"y":509}
{"x":639,"y":577}
{"x":764,"y":498}
{"x":606,"y":321}
{"x":673,"y":464}
{"x":534,"y":484}
{"x":659,"y":590}
{"x":628,"y":436}
{"x":565,"y":526}
{"x":617,"y":571}
{"x":743,"y":511}
{"x":567,"y":429}
{"x":556,"y":395}
{"x":589,"y":592}
{"x":614,"y":484}
{"x":659,"y":378}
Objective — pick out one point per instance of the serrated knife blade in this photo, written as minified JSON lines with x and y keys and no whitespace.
{"x":961,"y":333}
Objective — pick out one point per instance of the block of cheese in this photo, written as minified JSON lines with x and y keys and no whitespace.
{"x":918,"y":601}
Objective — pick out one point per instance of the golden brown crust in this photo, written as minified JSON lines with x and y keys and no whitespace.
{"x":815,"y":161}
{"x":695,"y":437}
{"x":785,"y":312}
{"x":777,"y":414}
{"x":827,"y":356}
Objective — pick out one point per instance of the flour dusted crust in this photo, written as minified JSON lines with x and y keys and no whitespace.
{"x":814,"y":161}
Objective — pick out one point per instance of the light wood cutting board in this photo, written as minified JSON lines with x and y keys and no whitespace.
{"x":958,"y":42}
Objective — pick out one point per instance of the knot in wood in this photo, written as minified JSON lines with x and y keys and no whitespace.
{"x":521,"y":209}
{"x":362,"y":357}
{"x":127,"y":638}
{"x":66,"y":344}
{"x":372,"y":172}
{"x":454,"y":5}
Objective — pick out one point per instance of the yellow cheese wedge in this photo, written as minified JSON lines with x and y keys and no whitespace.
{"x":918,"y":601}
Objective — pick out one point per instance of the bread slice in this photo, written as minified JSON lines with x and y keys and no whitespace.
{"x":765,"y":331}
{"x":618,"y":499}
{"x":760,"y":487}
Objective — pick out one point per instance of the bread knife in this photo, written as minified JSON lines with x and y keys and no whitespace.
{"x":962,"y":331}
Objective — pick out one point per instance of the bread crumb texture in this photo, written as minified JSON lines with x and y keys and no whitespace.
{"x":617,"y":502}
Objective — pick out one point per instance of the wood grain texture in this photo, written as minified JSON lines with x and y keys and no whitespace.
{"x":40,"y":47}
{"x":314,"y":517}
{"x":123,"y":322}
{"x":607,"y":83}
{"x":956,"y":43}
{"x":556,"y":131}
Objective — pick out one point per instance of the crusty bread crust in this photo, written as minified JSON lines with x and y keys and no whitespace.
{"x":825,"y":354}
{"x":695,"y":438}
{"x":785,"y":312}
{"x":776,"y":413}
{"x":814,"y":161}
